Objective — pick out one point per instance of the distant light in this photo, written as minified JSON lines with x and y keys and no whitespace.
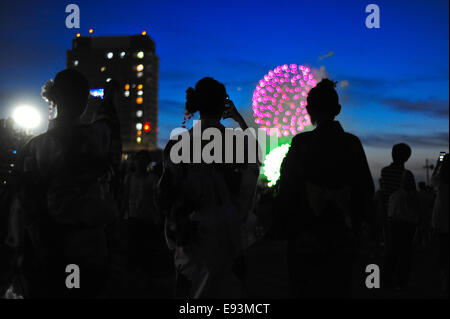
{"x":139,"y":139}
{"x":97,"y":93}
{"x":147,"y":126}
{"x":139,"y":133}
{"x":140,"y":55}
{"x":14,"y":151}
{"x":138,"y":126}
{"x":102,"y":69}
{"x":122,"y":54}
{"x":139,"y":74}
{"x":139,"y":113}
{"x":75,"y":62}
{"x":109,"y":55}
{"x":144,"y":32}
{"x":140,"y":86}
{"x":127,"y":86}
{"x":140,"y":92}
{"x":139,"y":100}
{"x":108,"y":79}
{"x":26,"y":116}
{"x":78,"y":35}
{"x":139,"y":67}
{"x":91,"y":31}
{"x":126,"y":93}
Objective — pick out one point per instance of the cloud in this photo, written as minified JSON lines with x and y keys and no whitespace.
{"x":327,"y":55}
{"x":432,"y":108}
{"x":387,"y":140}
{"x":320,"y":73}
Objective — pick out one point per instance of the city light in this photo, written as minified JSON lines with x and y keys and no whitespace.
{"x":110,"y":55}
{"x":140,"y":86}
{"x":91,"y":31}
{"x":140,"y":92}
{"x":279,"y":100}
{"x":147,"y":126}
{"x":127,"y":86}
{"x":126,"y":93}
{"x":75,"y":63}
{"x":138,"y":126}
{"x":122,"y":54}
{"x":139,"y":139}
{"x":26,"y":116}
{"x":102,"y":69}
{"x":272,"y":163}
{"x":139,"y":67}
{"x":139,"y":113}
{"x":78,"y":35}
{"x":140,"y":55}
{"x":139,"y":100}
{"x":144,"y":32}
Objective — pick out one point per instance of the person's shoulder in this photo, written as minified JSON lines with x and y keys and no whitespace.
{"x":302,"y":137}
{"x":352,"y":138}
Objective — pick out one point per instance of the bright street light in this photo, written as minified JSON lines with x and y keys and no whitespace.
{"x":26,"y":116}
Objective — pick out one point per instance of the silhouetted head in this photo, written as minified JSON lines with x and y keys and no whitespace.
{"x":323,"y":102}
{"x":422,"y":186}
{"x":408,"y":182}
{"x":208,"y":98}
{"x":141,"y":160}
{"x":69,"y":92}
{"x":401,"y":153}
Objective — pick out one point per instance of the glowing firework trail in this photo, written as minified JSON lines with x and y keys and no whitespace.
{"x":279,"y":100}
{"x":272,"y":163}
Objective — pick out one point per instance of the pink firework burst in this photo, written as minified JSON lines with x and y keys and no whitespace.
{"x":279,"y":100}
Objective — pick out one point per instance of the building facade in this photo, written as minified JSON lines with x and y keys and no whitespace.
{"x":130,"y":61}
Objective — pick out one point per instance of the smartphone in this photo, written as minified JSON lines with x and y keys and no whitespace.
{"x":228,"y":106}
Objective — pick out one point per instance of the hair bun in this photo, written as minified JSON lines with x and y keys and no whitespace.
{"x":327,"y":84}
{"x":48,"y":91}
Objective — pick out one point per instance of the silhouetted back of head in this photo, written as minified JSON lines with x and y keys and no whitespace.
{"x":69,"y":92}
{"x":208,"y":98}
{"x":323,"y":102}
{"x":401,"y":153}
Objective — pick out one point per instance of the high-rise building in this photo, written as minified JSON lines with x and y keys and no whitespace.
{"x":130,"y":61}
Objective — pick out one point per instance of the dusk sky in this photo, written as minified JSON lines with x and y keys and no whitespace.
{"x":397,"y":76}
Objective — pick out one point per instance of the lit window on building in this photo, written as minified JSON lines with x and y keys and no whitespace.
{"x":140,"y":86}
{"x":140,"y":55}
{"x":139,"y":67}
{"x":138,"y":126}
{"x":140,"y":74}
{"x":122,"y":54}
{"x":139,"y":100}
{"x":140,"y":92}
{"x":126,"y":93}
{"x":139,"y":133}
{"x":75,"y":63}
{"x":108,"y":79}
{"x":139,"y":140}
{"x":139,"y":113}
{"x":109,"y":55}
{"x":102,"y":69}
{"x":127,"y":87}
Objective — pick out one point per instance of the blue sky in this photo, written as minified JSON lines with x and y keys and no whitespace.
{"x":397,"y":75}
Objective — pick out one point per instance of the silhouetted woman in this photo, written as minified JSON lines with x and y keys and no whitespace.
{"x":324,"y":188}
{"x":65,"y":196}
{"x":206,"y":201}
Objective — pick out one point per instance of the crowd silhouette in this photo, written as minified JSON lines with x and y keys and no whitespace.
{"x":138,"y":228}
